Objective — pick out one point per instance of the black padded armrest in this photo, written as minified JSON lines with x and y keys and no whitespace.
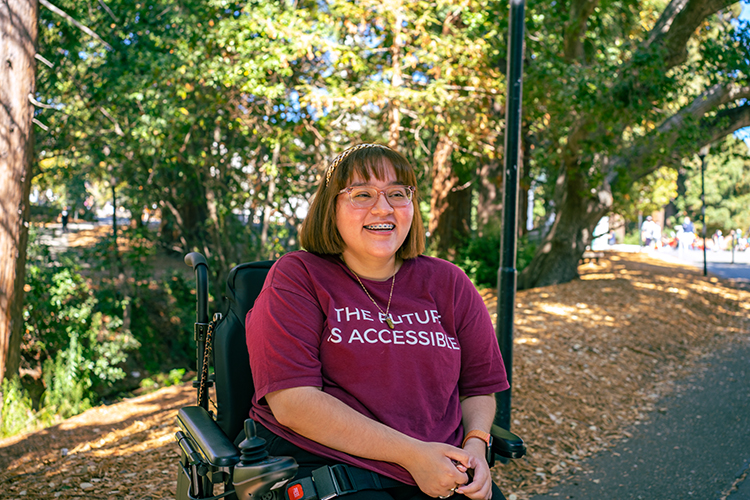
{"x":506,"y":444}
{"x":205,"y":433}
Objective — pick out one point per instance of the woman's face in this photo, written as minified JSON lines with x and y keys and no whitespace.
{"x":372,"y":236}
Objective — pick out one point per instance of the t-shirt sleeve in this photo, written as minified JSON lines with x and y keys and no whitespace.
{"x":482,"y":368}
{"x":283,"y":332}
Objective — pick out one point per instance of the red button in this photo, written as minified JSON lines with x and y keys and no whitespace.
{"x":295,"y":492}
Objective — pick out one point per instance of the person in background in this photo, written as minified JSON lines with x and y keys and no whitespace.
{"x":64,"y":219}
{"x":368,"y":353}
{"x":650,"y":232}
{"x":688,"y":234}
{"x":718,"y":241}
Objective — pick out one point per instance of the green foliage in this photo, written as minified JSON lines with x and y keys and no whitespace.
{"x":480,"y":257}
{"x":17,"y":413}
{"x":648,"y":195}
{"x":162,"y":323}
{"x":174,"y":377}
{"x":78,"y":345}
{"x":727,"y":187}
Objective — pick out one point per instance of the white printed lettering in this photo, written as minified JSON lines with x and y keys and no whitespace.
{"x":349,"y":314}
{"x":435,"y":316}
{"x":411,"y":339}
{"x":366,"y":315}
{"x":335,"y":338}
{"x":440,"y":339}
{"x":380,"y":336}
{"x":356,"y":336}
{"x":408,"y":317}
{"x":398,"y":337}
{"x":367,"y":337}
{"x":426,"y":317}
{"x":423,"y":339}
{"x":338,"y":314}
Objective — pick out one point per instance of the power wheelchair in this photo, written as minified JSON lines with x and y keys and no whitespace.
{"x":208,"y":455}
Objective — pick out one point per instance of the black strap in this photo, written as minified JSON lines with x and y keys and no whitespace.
{"x":340,"y":479}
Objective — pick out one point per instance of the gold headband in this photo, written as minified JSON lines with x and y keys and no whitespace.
{"x":342,"y":156}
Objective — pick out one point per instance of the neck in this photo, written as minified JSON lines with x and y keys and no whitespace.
{"x":379,"y":271}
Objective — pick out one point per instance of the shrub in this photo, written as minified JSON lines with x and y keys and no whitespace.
{"x":480,"y":258}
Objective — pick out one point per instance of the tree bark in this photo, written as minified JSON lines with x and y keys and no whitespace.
{"x":18,"y":39}
{"x":556,"y":258}
{"x":490,"y":195}
{"x":450,"y":203}
{"x":578,"y":204}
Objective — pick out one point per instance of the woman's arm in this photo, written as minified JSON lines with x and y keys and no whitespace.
{"x":321,"y":417}
{"x":478,"y":414}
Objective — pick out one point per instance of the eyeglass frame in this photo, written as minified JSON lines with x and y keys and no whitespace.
{"x":409,"y":189}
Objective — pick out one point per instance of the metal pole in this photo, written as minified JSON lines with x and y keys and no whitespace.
{"x":507,"y":273}
{"x":703,"y":212}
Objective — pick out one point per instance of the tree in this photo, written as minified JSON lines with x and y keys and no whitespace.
{"x":18,"y":26}
{"x":624,"y":88}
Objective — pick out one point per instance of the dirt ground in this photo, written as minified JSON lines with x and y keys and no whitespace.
{"x":591,"y":360}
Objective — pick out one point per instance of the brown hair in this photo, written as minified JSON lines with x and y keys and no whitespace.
{"x":319,"y":233}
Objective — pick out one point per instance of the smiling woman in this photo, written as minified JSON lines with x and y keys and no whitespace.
{"x":366,"y":353}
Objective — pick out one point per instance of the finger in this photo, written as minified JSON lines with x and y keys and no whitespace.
{"x":460,"y":466}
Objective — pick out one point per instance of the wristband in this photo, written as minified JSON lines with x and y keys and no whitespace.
{"x":476,"y":434}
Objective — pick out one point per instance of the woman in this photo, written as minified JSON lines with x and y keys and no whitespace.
{"x":367,"y":353}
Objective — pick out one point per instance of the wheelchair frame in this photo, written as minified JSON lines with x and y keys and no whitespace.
{"x":208,"y":455}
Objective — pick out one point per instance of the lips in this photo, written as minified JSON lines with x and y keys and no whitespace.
{"x":380,"y":227}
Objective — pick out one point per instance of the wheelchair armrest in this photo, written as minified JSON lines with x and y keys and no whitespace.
{"x":205,"y":433}
{"x":506,"y":444}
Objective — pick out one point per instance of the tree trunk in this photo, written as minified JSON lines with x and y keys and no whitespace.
{"x":556,"y":259}
{"x":450,"y":204}
{"x":268,"y":209}
{"x":18,"y":38}
{"x":490,"y":196}
{"x":394,"y":118}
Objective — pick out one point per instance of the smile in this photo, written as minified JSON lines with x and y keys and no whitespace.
{"x":380,"y":227}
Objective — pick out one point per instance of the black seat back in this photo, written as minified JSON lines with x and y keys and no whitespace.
{"x":234,"y":382}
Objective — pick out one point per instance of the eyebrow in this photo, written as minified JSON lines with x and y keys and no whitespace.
{"x":394,"y":183}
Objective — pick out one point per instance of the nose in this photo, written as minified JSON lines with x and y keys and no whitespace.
{"x":381,"y":204}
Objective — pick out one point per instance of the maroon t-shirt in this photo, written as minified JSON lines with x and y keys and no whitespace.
{"x":313,"y":325}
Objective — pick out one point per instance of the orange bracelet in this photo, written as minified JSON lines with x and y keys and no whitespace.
{"x":476,"y":434}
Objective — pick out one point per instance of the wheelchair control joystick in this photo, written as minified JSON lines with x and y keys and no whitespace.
{"x":257,"y":474}
{"x":253,"y":448}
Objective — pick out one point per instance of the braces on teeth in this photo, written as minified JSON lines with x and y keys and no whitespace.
{"x":381,"y":226}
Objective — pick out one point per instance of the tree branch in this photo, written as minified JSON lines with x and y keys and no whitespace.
{"x":580,"y":11}
{"x":712,"y":98}
{"x":677,"y":24}
{"x":727,"y":122}
{"x":80,"y":26}
{"x":635,"y":159}
{"x":109,"y":11}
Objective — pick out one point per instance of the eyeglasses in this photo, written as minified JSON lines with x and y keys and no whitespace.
{"x":367,"y":197}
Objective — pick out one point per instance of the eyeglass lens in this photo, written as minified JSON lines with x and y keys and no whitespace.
{"x":365,"y":197}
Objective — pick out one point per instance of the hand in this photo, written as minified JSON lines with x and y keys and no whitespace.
{"x":480,"y":488}
{"x":437,"y":468}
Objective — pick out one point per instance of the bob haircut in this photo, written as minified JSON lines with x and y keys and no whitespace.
{"x":319,"y":233}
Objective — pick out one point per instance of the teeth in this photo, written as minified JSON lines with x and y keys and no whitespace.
{"x":380,"y":226}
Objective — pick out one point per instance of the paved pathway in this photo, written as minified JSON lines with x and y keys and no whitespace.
{"x":697,"y":444}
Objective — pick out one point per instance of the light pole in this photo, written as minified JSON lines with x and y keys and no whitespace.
{"x":702,"y":154}
{"x":506,"y":301}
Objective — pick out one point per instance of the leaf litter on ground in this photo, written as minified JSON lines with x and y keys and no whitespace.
{"x":592,"y":359}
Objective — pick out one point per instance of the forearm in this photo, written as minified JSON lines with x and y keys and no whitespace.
{"x":478,"y":412}
{"x":324,"y":419}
